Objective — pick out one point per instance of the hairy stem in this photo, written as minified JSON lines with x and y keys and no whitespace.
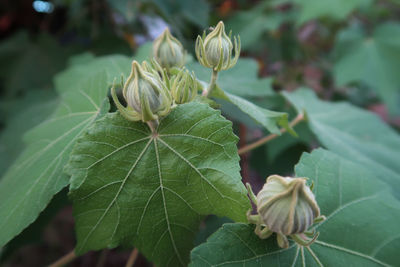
{"x":270,"y":137}
{"x":132,"y":258}
{"x":212,"y":84}
{"x":64,"y":260}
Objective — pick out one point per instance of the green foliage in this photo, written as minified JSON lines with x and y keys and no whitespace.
{"x":37,"y":174}
{"x":267,"y":118}
{"x":333,"y":9}
{"x":361,"y":216}
{"x":354,"y":134}
{"x":166,"y":185}
{"x":112,"y":67}
{"x":158,"y":186}
{"x":37,"y":107}
{"x":373,"y":60}
{"x":251,"y":24}
{"x":27,"y":65}
{"x":241,"y":80}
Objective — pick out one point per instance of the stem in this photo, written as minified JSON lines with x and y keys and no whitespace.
{"x":212,"y":84}
{"x":132,"y":258}
{"x":64,"y":260}
{"x":102,"y":259}
{"x":268,"y":138}
{"x":153,"y":126}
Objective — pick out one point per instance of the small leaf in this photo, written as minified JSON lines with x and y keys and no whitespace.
{"x":354,"y":134}
{"x":242,"y":80}
{"x":267,"y":118}
{"x":130,"y":186}
{"x":361,"y":228}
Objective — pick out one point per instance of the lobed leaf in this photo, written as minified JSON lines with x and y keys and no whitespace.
{"x":132,"y":187}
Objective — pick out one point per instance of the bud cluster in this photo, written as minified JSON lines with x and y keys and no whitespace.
{"x":153,"y":90}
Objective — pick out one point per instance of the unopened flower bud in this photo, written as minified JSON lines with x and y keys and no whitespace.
{"x":287,"y":205}
{"x":146,"y":95}
{"x":168,"y":51}
{"x":183,"y":87}
{"x":215,"y":51}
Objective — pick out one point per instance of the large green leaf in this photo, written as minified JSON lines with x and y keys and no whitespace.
{"x":33,"y":179}
{"x":354,"y":134}
{"x":130,"y":186}
{"x":373,"y":60}
{"x":361,"y":228}
{"x":22,"y":115}
{"x":241,"y":80}
{"x":334,"y":9}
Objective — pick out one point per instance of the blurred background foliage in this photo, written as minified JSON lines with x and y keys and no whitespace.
{"x":342,"y":49}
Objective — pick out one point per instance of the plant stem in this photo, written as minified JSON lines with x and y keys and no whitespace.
{"x":268,"y":138}
{"x":212,"y":84}
{"x":153,"y":126}
{"x":64,"y":260}
{"x":132,"y":258}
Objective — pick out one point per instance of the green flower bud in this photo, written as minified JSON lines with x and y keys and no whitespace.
{"x":146,"y":95}
{"x":168,"y":51}
{"x":215,"y":51}
{"x":183,"y":87}
{"x":287,"y":205}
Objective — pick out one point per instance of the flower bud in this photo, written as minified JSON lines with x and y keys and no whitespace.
{"x":146,"y":95}
{"x":215,"y":51}
{"x":183,"y":87}
{"x":168,"y":51}
{"x":286,"y":205}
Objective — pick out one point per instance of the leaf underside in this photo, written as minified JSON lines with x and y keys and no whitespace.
{"x":157,"y":187}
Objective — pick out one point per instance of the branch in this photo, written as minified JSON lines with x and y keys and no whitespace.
{"x":268,"y":138}
{"x":132,"y":258}
{"x":64,"y":260}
